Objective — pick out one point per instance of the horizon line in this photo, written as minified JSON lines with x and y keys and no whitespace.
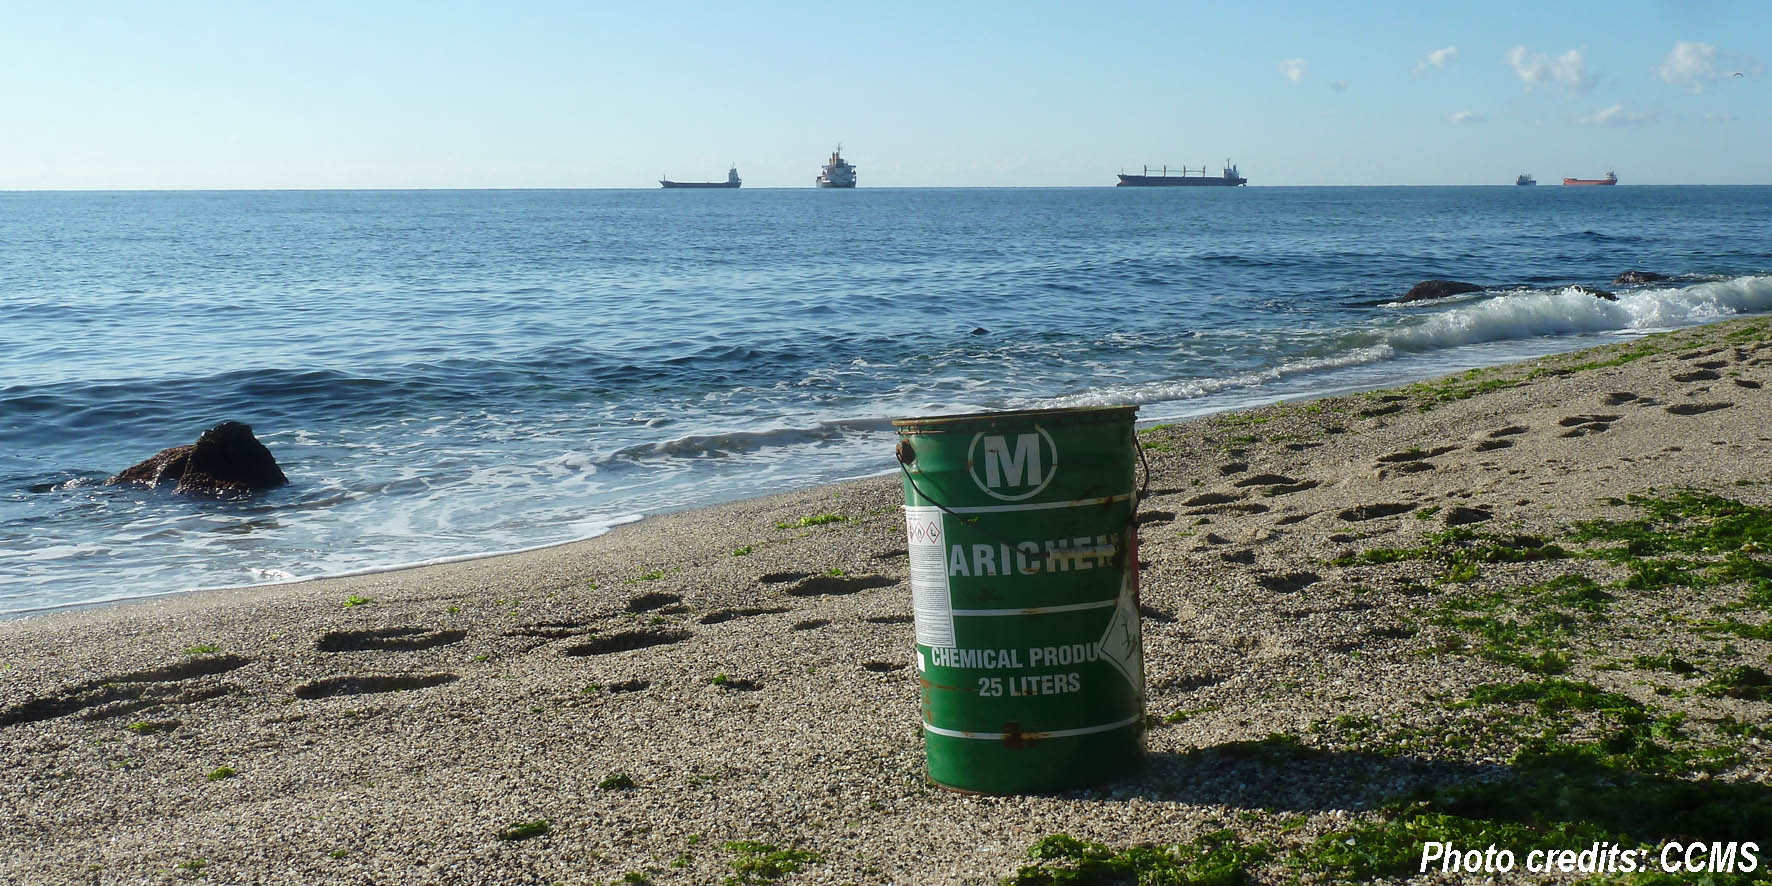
{"x":466,"y":188}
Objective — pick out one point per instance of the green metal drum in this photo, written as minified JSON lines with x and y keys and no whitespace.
{"x":1024,"y":585}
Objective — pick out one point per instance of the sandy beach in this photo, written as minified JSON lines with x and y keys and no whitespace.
{"x":1362,"y":614}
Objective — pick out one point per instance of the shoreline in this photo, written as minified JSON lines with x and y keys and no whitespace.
{"x":1327,"y":391}
{"x":388,"y":726}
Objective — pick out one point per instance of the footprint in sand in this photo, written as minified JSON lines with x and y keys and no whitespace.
{"x":1291,"y":582}
{"x":1277,"y":485}
{"x":776,"y":578}
{"x":1696,"y":408}
{"x":1461,"y":516}
{"x":1509,"y":431}
{"x":1697,"y":375}
{"x":1583,"y":425}
{"x":1149,"y":517}
{"x":1415,"y":455}
{"x":1207,"y":499}
{"x":625,"y":642}
{"x":839,"y":585}
{"x":387,"y":640}
{"x":1577,"y":420}
{"x":1747,"y":383}
{"x":810,"y":624}
{"x":882,"y":667}
{"x":1618,"y":398}
{"x":125,"y":693}
{"x":889,"y":619}
{"x":724,"y":615}
{"x":1362,"y":513}
{"x":649,"y":602}
{"x":370,"y":684}
{"x":1189,"y":683}
{"x":1488,"y":445}
{"x":1265,"y":480}
{"x":551,"y":630}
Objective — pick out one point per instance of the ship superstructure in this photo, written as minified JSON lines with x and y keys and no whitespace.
{"x":838,"y":173}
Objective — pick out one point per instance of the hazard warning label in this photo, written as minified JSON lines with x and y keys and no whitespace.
{"x":931,"y":603}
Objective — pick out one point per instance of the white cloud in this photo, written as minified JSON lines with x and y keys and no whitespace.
{"x":1568,"y":70}
{"x":1689,"y":64}
{"x":1439,"y":58}
{"x":1693,"y":64}
{"x":1294,"y":68}
{"x":1467,"y":117}
{"x":1614,"y":116}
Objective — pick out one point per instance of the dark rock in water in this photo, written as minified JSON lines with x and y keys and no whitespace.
{"x":980,"y":330}
{"x":1597,"y":293}
{"x":226,"y":460}
{"x":1430,"y":289}
{"x":1638,"y":277}
{"x":166,"y":467}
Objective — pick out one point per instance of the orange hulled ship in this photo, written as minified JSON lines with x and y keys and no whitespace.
{"x":1610,"y":179}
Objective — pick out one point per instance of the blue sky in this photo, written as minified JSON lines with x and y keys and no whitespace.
{"x":401,"y":94}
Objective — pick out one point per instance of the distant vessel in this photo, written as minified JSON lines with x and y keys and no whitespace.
{"x":837,"y":173}
{"x":1187,"y":178}
{"x":730,"y":182}
{"x":1525,"y":179}
{"x":1610,"y":179}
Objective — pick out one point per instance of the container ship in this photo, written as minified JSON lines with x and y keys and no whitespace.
{"x":1525,"y":179}
{"x":1610,"y":179}
{"x":1187,"y":178}
{"x":731,"y":181}
{"x":837,"y":173}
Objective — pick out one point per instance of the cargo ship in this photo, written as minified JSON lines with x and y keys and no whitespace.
{"x":1610,"y":179}
{"x":732,"y":181}
{"x":837,"y":173}
{"x":1525,"y":179}
{"x":1187,"y":178}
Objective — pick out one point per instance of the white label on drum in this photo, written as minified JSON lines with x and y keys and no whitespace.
{"x":931,"y":603}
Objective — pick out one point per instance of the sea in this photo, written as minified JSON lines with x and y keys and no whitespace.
{"x":446,"y":374}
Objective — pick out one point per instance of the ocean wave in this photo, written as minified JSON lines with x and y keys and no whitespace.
{"x":1572,"y":311}
{"x":1169,"y":391}
{"x":721,"y":445}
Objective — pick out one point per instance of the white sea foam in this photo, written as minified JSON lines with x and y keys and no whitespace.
{"x":734,"y":442}
{"x":1571,"y":311}
{"x":264,"y":576}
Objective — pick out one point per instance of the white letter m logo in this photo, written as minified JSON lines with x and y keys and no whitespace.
{"x":1016,"y":466}
{"x":1000,"y":464}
